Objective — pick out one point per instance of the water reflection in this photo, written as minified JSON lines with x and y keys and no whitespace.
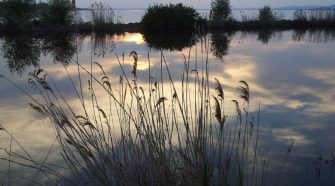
{"x":20,"y":52}
{"x":170,"y":41}
{"x":283,"y":74}
{"x":220,"y":44}
{"x":314,"y":36}
{"x":310,"y":35}
{"x":103,"y":44}
{"x":61,"y":47}
{"x":262,"y":35}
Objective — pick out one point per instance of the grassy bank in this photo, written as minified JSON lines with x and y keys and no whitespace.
{"x":278,"y":24}
{"x":162,"y":18}
{"x":86,"y":28}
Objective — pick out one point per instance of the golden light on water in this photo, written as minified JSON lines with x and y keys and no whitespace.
{"x":134,"y":38}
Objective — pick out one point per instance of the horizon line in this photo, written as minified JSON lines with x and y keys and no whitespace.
{"x":237,"y":8}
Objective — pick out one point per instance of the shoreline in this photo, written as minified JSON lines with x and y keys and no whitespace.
{"x":87,"y":28}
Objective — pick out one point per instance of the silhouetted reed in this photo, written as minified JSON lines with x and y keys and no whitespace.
{"x":157,"y":133}
{"x":104,"y":19}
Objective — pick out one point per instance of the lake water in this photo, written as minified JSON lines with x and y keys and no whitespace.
{"x":290,"y":73}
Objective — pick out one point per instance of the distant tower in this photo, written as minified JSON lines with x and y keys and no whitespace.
{"x":74,"y":5}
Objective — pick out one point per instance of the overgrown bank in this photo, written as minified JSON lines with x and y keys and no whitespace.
{"x":58,"y":16}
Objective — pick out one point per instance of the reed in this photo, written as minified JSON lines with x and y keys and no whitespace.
{"x":317,"y":17}
{"x":104,"y":19}
{"x":150,"y":133}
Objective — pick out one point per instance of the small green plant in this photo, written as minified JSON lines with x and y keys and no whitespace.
{"x":220,"y":10}
{"x":58,"y":12}
{"x":169,"y":18}
{"x":266,"y":14}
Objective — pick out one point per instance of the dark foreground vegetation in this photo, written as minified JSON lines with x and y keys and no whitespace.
{"x":26,"y":17}
{"x":130,"y":132}
{"x":151,"y":133}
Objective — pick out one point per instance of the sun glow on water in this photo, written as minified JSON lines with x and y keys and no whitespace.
{"x":134,"y":38}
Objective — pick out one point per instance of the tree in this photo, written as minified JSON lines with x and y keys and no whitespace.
{"x":266,"y":14}
{"x":59,"y":12}
{"x":17,"y":12}
{"x":220,"y":10}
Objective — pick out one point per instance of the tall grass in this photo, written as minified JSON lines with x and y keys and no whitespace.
{"x":324,"y":17}
{"x":103,"y":17}
{"x":154,"y":133}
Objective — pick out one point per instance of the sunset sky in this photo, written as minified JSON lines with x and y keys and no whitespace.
{"x":206,"y":3}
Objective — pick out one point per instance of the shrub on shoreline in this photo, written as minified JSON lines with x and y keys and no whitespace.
{"x":102,"y":17}
{"x":169,"y":18}
{"x":220,"y":11}
{"x":266,"y":14}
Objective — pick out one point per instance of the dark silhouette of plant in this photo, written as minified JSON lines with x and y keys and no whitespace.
{"x":17,"y":12}
{"x":102,"y":16}
{"x":266,"y":14}
{"x":59,"y":12}
{"x":220,"y":11}
{"x":300,"y":15}
{"x":166,"y":18}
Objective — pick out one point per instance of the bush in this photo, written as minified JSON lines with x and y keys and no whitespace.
{"x":300,"y":15}
{"x":17,"y":12}
{"x":220,"y":9}
{"x":169,"y":18}
{"x":59,"y":12}
{"x":266,"y":14}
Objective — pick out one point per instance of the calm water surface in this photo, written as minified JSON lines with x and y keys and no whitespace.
{"x":290,"y":73}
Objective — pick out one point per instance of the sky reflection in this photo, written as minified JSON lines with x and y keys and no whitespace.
{"x":291,"y":76}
